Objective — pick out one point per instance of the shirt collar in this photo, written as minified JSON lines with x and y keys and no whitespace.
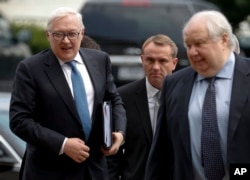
{"x":151,"y":91}
{"x":76,"y":58}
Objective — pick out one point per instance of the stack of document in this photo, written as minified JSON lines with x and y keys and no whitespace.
{"x":107,"y":124}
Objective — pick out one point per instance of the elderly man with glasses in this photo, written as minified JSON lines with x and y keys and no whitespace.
{"x":56,"y":105}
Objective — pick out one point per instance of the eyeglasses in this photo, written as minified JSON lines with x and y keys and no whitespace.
{"x":59,"y":36}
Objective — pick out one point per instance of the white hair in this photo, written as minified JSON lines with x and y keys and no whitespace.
{"x":216,"y":23}
{"x":62,"y":12}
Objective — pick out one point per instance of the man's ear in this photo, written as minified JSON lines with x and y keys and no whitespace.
{"x":47,"y":34}
{"x":82,"y":33}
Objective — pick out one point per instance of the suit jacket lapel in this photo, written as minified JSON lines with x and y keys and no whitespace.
{"x":142,"y":106}
{"x":57,"y":78}
{"x":239,"y":95}
{"x":92,"y":67}
{"x":183,"y":101}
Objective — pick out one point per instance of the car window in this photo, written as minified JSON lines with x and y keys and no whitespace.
{"x":6,"y":155}
{"x":126,"y":26}
{"x":120,"y":27}
{"x":17,"y":144}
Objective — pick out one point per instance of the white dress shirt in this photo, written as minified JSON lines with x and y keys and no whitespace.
{"x":87,"y":83}
{"x":223,"y":85}
{"x":153,"y":103}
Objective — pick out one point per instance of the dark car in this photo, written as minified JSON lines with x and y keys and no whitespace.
{"x":121,"y":26}
{"x":11,"y":147}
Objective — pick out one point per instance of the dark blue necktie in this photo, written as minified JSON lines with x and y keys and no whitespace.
{"x":80,"y":98}
{"x":210,"y":140}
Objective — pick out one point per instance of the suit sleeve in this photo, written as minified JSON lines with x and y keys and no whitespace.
{"x":23,"y":111}
{"x":118,"y":108}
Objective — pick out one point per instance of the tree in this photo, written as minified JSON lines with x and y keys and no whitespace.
{"x":235,"y":10}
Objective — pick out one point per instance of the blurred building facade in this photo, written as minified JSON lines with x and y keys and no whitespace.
{"x":33,"y":11}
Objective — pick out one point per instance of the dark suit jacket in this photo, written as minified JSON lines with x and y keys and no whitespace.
{"x":139,"y":134}
{"x":170,"y":155}
{"x":43,"y":113}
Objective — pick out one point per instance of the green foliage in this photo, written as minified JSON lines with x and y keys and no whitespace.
{"x":38,"y":40}
{"x":235,"y":10}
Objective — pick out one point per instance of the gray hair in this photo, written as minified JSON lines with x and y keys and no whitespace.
{"x":216,"y":23}
{"x":62,"y":12}
{"x":236,"y":45}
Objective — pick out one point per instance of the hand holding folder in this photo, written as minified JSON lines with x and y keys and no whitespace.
{"x":107,"y":124}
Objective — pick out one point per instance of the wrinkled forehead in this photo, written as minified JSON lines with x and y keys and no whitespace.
{"x":194,"y":30}
{"x":195,"y":24}
{"x":65,"y":20}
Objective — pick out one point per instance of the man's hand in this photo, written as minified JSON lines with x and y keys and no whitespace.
{"x":118,"y":140}
{"x":76,"y":149}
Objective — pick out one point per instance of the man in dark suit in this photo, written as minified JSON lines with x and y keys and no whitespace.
{"x":177,"y":151}
{"x":88,"y":42}
{"x":158,"y":60}
{"x":43,"y":111}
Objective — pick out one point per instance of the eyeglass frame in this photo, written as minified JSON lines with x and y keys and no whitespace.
{"x":65,"y":34}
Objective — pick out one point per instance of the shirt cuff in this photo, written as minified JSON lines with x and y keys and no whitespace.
{"x":62,"y":148}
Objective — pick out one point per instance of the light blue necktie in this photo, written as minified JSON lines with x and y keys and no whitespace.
{"x":80,"y":98}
